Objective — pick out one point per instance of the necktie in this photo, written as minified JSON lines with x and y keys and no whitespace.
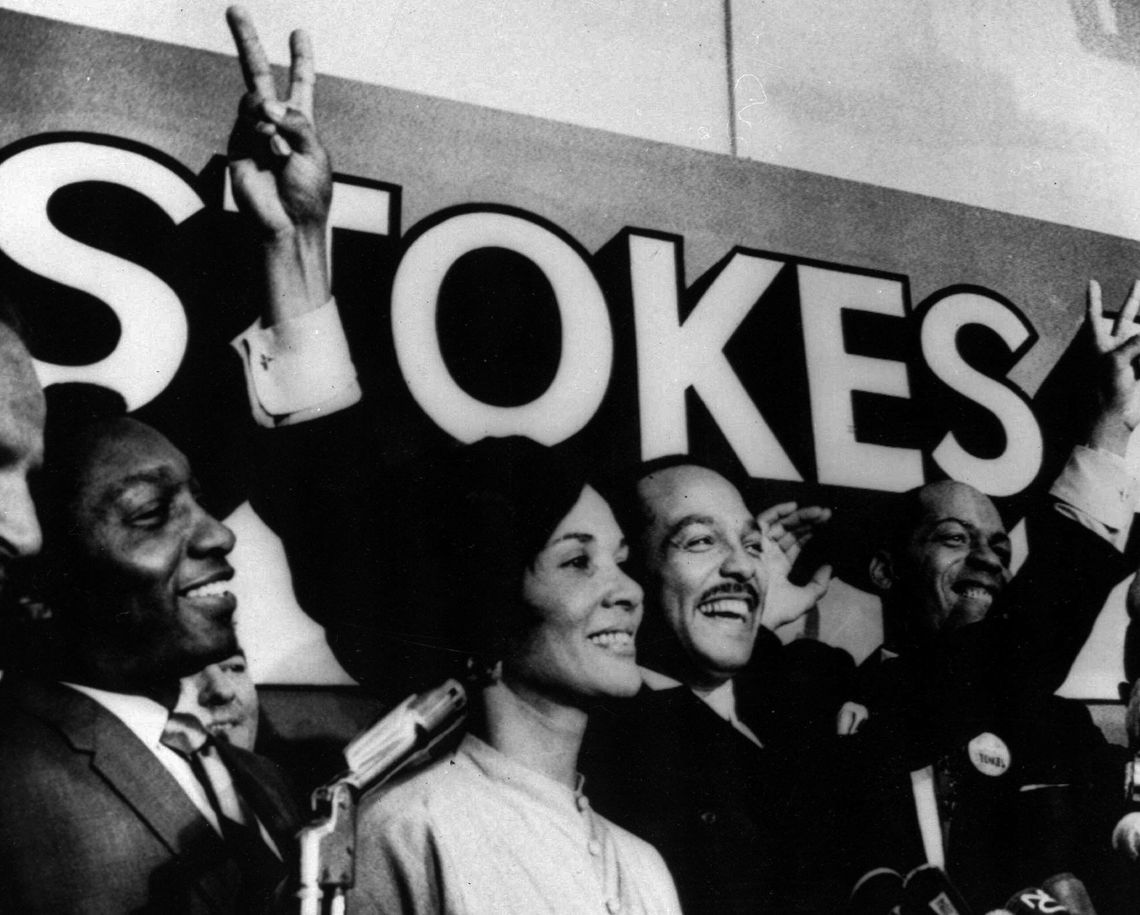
{"x":185,"y":735}
{"x":259,"y":863}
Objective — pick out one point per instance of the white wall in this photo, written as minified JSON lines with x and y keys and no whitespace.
{"x":1027,"y":106}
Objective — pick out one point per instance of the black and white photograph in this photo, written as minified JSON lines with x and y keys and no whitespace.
{"x":569,"y":456}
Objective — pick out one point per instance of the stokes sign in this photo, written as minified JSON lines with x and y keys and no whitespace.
{"x":850,"y":330}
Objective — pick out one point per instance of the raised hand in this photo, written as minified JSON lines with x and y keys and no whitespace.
{"x":1116,"y":348}
{"x":791,"y":527}
{"x":281,"y":174}
{"x":783,"y":601}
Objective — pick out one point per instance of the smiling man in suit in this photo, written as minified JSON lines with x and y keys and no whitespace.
{"x":114,"y":804}
{"x":722,"y":760}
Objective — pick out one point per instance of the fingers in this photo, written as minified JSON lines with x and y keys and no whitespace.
{"x":775,"y":513}
{"x":1096,"y":317}
{"x":1128,"y":351}
{"x":1127,"y":316}
{"x":271,"y":129}
{"x":1123,"y":328}
{"x":292,"y":126}
{"x":254,"y":64}
{"x":851,"y":716}
{"x":820,"y":582}
{"x":249,"y":138}
{"x":808,"y":518}
{"x":801,"y":524}
{"x":302,"y":73}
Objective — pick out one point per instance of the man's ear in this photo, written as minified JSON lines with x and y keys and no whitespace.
{"x":882,"y":570}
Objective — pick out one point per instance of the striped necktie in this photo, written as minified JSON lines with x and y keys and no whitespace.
{"x":259,"y":861}
{"x":185,"y":735}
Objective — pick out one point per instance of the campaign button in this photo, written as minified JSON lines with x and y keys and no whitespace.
{"x":989,"y":754}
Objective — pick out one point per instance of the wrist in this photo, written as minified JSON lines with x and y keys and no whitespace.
{"x":280,"y":240}
{"x":1110,"y":433}
{"x":296,"y":273}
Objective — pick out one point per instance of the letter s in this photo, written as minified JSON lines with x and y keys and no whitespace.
{"x":151,"y":316}
{"x":1015,"y":468}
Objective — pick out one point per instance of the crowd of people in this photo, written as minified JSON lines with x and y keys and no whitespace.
{"x":639,"y":739}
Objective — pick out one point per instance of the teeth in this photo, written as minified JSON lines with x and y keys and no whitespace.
{"x":976,"y":594}
{"x":618,"y":641}
{"x":732,"y":607}
{"x":214,"y":589}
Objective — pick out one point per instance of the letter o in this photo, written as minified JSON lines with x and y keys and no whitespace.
{"x":583,"y":373}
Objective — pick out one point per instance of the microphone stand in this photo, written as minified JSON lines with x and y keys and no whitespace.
{"x":404,"y":737}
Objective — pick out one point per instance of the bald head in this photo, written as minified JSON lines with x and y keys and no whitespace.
{"x":948,"y":562}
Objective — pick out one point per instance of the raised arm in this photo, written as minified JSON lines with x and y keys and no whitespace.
{"x":1116,"y":348}
{"x":282,"y":177}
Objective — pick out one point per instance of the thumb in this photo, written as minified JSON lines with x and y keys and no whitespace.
{"x":820,"y":582}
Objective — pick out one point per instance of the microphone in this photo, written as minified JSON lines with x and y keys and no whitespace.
{"x":404,"y":737}
{"x":927,"y":889}
{"x":878,"y":892}
{"x":1034,"y":900}
{"x":1071,"y":892}
{"x":1126,"y":836}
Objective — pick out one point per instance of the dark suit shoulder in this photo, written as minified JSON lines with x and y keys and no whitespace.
{"x":32,"y":739}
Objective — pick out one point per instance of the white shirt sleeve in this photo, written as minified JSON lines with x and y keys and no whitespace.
{"x":299,"y":369}
{"x":1097,"y":491}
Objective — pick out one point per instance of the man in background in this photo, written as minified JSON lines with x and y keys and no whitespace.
{"x":224,"y":698}
{"x":972,"y":763}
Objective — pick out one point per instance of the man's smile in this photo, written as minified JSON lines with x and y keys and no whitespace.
{"x":729,"y":602}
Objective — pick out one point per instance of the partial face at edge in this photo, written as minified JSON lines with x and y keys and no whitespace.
{"x":22,"y":414}
{"x":584,"y":609}
{"x":151,"y":560}
{"x":703,"y":571}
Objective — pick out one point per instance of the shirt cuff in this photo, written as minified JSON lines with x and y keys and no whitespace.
{"x":1097,"y":491}
{"x":299,"y":369}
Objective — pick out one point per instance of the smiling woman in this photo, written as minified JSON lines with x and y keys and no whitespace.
{"x":531,"y":557}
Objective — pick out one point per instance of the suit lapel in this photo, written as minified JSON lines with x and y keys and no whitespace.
{"x":136,"y":774}
{"x":276,"y":810}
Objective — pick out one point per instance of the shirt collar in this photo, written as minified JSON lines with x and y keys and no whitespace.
{"x":499,"y":767}
{"x":721,"y":700}
{"x":657,"y":681}
{"x":144,"y":717}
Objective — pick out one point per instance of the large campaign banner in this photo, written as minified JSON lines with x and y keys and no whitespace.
{"x":500,"y":274}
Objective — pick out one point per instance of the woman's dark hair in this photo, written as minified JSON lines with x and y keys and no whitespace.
{"x":488,"y":509}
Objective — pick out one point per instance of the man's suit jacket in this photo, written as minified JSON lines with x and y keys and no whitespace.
{"x":91,"y":821}
{"x":742,"y":829}
{"x":990,"y":685}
